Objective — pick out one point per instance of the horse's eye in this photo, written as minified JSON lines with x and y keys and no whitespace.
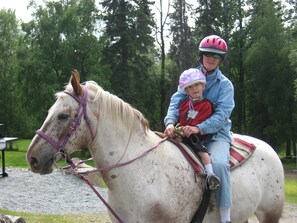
{"x":63,"y":117}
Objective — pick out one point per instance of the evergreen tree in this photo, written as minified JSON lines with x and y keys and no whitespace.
{"x":268,"y":77}
{"x":183,"y":52}
{"x":183,"y":47}
{"x":292,"y":45}
{"x":209,"y":18}
{"x":130,"y":53}
{"x":160,"y":39}
{"x":237,"y":46}
{"x":10,"y":112}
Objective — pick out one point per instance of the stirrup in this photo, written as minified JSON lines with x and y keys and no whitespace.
{"x":212,"y":181}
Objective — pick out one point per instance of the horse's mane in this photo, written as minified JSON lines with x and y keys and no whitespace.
{"x":112,"y":105}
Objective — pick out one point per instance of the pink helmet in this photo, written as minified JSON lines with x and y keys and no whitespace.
{"x":191,"y":76}
{"x":213,"y":44}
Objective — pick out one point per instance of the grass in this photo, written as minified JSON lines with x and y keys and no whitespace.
{"x":49,"y":218}
{"x":291,"y":190}
{"x":17,"y":157}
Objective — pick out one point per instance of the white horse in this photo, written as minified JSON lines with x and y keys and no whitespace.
{"x":157,"y":184}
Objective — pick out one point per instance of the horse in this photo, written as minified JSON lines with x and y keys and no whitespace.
{"x":148,"y":178}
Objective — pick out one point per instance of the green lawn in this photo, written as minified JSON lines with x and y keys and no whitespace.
{"x":291,"y":190}
{"x":17,"y":157}
{"x":49,"y":218}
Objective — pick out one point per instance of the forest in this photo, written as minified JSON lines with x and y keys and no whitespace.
{"x":137,"y":49}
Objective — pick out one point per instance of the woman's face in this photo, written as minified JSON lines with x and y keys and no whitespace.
{"x":211,"y":61}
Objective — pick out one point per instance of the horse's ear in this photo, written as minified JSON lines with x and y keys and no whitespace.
{"x":74,"y":80}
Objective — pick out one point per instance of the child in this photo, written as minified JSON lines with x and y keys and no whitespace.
{"x":192,"y":112}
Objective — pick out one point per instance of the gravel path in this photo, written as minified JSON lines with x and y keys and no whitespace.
{"x":56,"y":193}
{"x":63,"y":193}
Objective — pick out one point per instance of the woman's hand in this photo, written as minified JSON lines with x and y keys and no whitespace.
{"x":189,"y":130}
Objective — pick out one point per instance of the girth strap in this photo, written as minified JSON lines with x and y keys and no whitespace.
{"x":200,"y":213}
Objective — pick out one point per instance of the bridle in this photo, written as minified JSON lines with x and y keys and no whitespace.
{"x":80,"y":112}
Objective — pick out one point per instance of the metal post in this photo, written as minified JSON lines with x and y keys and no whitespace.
{"x":2,"y":148}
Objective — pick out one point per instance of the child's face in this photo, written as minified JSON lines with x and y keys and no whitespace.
{"x":195,"y":90}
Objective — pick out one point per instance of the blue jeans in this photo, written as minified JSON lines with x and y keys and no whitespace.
{"x":220,"y":153}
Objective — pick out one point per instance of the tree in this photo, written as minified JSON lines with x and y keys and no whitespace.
{"x":208,"y":18}
{"x":237,"y":47}
{"x":293,"y":102}
{"x":10,"y":112}
{"x":268,"y":75}
{"x":61,"y":37}
{"x":161,"y":42}
{"x":130,"y":51}
{"x":183,"y":46}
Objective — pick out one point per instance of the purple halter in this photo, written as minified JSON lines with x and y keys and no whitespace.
{"x":80,"y":112}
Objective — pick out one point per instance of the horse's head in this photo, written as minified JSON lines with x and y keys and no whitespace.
{"x":61,"y":133}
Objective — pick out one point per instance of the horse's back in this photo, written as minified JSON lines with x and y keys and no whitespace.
{"x":261,"y":181}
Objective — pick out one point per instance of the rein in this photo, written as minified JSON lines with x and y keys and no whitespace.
{"x":60,"y":144}
{"x":108,"y":168}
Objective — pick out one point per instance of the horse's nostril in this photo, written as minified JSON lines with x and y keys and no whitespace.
{"x":33,"y":162}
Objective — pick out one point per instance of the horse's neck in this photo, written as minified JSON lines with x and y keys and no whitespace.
{"x":117,"y":143}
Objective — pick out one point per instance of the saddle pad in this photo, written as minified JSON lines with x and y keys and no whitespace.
{"x":240,"y":151}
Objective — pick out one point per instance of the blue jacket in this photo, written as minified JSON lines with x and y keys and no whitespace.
{"x":219,"y":90}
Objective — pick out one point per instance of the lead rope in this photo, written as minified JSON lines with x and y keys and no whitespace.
{"x":72,"y":165}
{"x":101,"y":198}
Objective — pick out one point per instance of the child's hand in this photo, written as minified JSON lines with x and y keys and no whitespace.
{"x":169,"y":131}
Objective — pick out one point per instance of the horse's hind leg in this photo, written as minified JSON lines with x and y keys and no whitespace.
{"x":268,"y":217}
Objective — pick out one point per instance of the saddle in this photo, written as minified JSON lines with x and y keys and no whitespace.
{"x":240,"y":151}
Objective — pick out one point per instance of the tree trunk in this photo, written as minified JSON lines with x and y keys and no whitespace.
{"x":288,"y":148}
{"x":294,"y":147}
{"x":162,"y":81}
